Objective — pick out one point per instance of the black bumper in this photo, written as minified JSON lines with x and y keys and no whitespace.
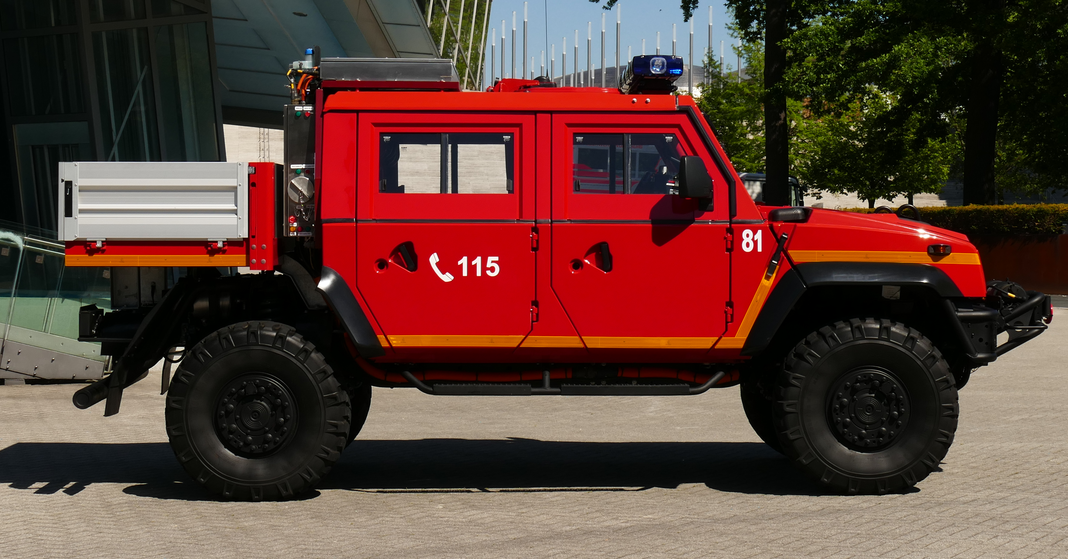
{"x":1007,"y":308}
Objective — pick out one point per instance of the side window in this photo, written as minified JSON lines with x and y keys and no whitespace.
{"x":446,"y":163}
{"x":598,"y":163}
{"x":625,"y":163}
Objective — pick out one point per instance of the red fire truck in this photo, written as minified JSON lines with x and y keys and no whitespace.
{"x":525,"y":240}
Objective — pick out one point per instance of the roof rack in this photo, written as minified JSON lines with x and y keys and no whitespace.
{"x":435,"y":74}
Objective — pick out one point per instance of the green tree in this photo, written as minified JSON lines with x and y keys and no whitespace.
{"x":945,"y":58}
{"x":858,"y":149}
{"x":734,"y":109}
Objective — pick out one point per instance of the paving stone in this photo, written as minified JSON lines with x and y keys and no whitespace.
{"x":544,"y":477}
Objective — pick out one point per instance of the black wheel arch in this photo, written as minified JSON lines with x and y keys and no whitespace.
{"x":813,"y":294}
{"x":204,"y":301}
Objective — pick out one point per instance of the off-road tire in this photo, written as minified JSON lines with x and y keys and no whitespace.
{"x":360,"y":399}
{"x":267,"y":371}
{"x":832,"y":376}
{"x":759,"y":411}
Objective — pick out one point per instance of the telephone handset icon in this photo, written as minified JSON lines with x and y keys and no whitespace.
{"x":446,"y":277}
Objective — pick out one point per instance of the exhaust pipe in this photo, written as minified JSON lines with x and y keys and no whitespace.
{"x":92,"y":394}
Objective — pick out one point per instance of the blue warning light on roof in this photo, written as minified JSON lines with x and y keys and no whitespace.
{"x":651,"y":73}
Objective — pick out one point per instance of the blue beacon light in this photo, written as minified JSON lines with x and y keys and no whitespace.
{"x":651,"y":74}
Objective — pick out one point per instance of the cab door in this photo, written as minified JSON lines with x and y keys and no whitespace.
{"x":643,"y":274}
{"x":444,"y":220}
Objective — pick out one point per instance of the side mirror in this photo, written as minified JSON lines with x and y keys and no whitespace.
{"x":694,"y":180}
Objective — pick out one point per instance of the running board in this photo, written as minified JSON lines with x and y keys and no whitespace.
{"x":625,"y":389}
{"x":521,"y":389}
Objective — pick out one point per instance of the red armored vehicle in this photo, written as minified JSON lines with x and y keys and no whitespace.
{"x":526,"y":240}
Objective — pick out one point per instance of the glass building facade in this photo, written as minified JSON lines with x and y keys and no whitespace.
{"x":106,"y":80}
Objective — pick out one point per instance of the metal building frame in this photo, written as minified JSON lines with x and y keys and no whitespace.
{"x":453,"y":33}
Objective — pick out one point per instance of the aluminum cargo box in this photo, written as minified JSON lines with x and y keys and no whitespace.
{"x":111,"y":201}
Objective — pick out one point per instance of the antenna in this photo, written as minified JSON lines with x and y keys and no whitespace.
{"x":602,"y":48}
{"x":525,"y":42}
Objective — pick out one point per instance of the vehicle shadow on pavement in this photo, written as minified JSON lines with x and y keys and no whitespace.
{"x":516,"y":465}
{"x":429,"y":465}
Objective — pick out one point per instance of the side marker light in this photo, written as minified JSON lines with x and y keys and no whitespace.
{"x":939,"y":250}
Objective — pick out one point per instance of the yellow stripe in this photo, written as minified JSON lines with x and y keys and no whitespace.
{"x":603,"y":342}
{"x":909,"y":257}
{"x":552,"y":341}
{"x":455,"y":341}
{"x":186,"y":260}
{"x":750,"y":315}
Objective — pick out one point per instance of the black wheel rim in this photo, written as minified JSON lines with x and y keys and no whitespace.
{"x":868,"y":409}
{"x":255,"y":415}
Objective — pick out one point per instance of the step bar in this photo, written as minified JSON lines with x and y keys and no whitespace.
{"x":523,"y":389}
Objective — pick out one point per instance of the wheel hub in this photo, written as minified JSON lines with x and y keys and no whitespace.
{"x":254,"y":415}
{"x":868,"y":410}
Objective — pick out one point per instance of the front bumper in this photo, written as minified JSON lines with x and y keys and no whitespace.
{"x":1007,"y":308}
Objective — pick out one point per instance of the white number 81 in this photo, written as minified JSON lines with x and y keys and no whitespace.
{"x":748,"y":237}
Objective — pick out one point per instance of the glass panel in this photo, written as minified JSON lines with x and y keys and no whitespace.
{"x":163,"y":8}
{"x":44,"y":75}
{"x":10,"y":253}
{"x":186,"y":93}
{"x":115,"y":10}
{"x":410,"y":163}
{"x":39,"y":278}
{"x":79,"y":287}
{"x":39,"y":149}
{"x":472,"y":163}
{"x":481,"y":163}
{"x":598,"y":163}
{"x":18,"y":15}
{"x":654,"y":160}
{"x":127,"y":111}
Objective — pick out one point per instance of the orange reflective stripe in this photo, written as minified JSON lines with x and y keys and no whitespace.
{"x":757,"y":303}
{"x":181,"y":260}
{"x":454,"y":341}
{"x":905,"y":257}
{"x":613,"y":342}
{"x":552,"y":341}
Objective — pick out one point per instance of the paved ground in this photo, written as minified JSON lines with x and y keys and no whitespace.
{"x":510,"y":477}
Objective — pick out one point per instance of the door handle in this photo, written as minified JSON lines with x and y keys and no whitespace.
{"x":606,"y":258}
{"x":599,"y":256}
{"x":405,"y":257}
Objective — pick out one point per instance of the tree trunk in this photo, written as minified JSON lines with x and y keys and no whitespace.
{"x":776,"y":125}
{"x":980,"y":138}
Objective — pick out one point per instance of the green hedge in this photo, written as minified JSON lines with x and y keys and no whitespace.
{"x":1010,"y":220}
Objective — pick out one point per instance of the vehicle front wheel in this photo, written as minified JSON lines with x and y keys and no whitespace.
{"x":866,"y":406}
{"x":255,"y":413}
{"x":360,"y":399}
{"x":758,"y":405}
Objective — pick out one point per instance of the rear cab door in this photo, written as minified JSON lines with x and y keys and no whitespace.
{"x":444,"y":221}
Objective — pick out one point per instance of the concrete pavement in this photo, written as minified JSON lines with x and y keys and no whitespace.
{"x":544,"y":476}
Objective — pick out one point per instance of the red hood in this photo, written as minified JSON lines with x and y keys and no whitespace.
{"x":837,"y":236}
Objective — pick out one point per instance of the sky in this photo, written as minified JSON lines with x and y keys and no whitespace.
{"x":641,"y":19}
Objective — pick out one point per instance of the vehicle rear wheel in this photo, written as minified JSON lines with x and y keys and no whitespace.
{"x":866,"y":406}
{"x":758,"y":406}
{"x":255,"y":413}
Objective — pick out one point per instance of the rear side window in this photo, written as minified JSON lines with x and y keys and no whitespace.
{"x":447,"y":163}
{"x":625,"y":163}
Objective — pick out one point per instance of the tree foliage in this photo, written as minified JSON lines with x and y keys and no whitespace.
{"x":858,"y":149}
{"x":998,"y":67}
{"x":688,"y":7}
{"x":733,"y":108}
{"x":893,"y":96}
